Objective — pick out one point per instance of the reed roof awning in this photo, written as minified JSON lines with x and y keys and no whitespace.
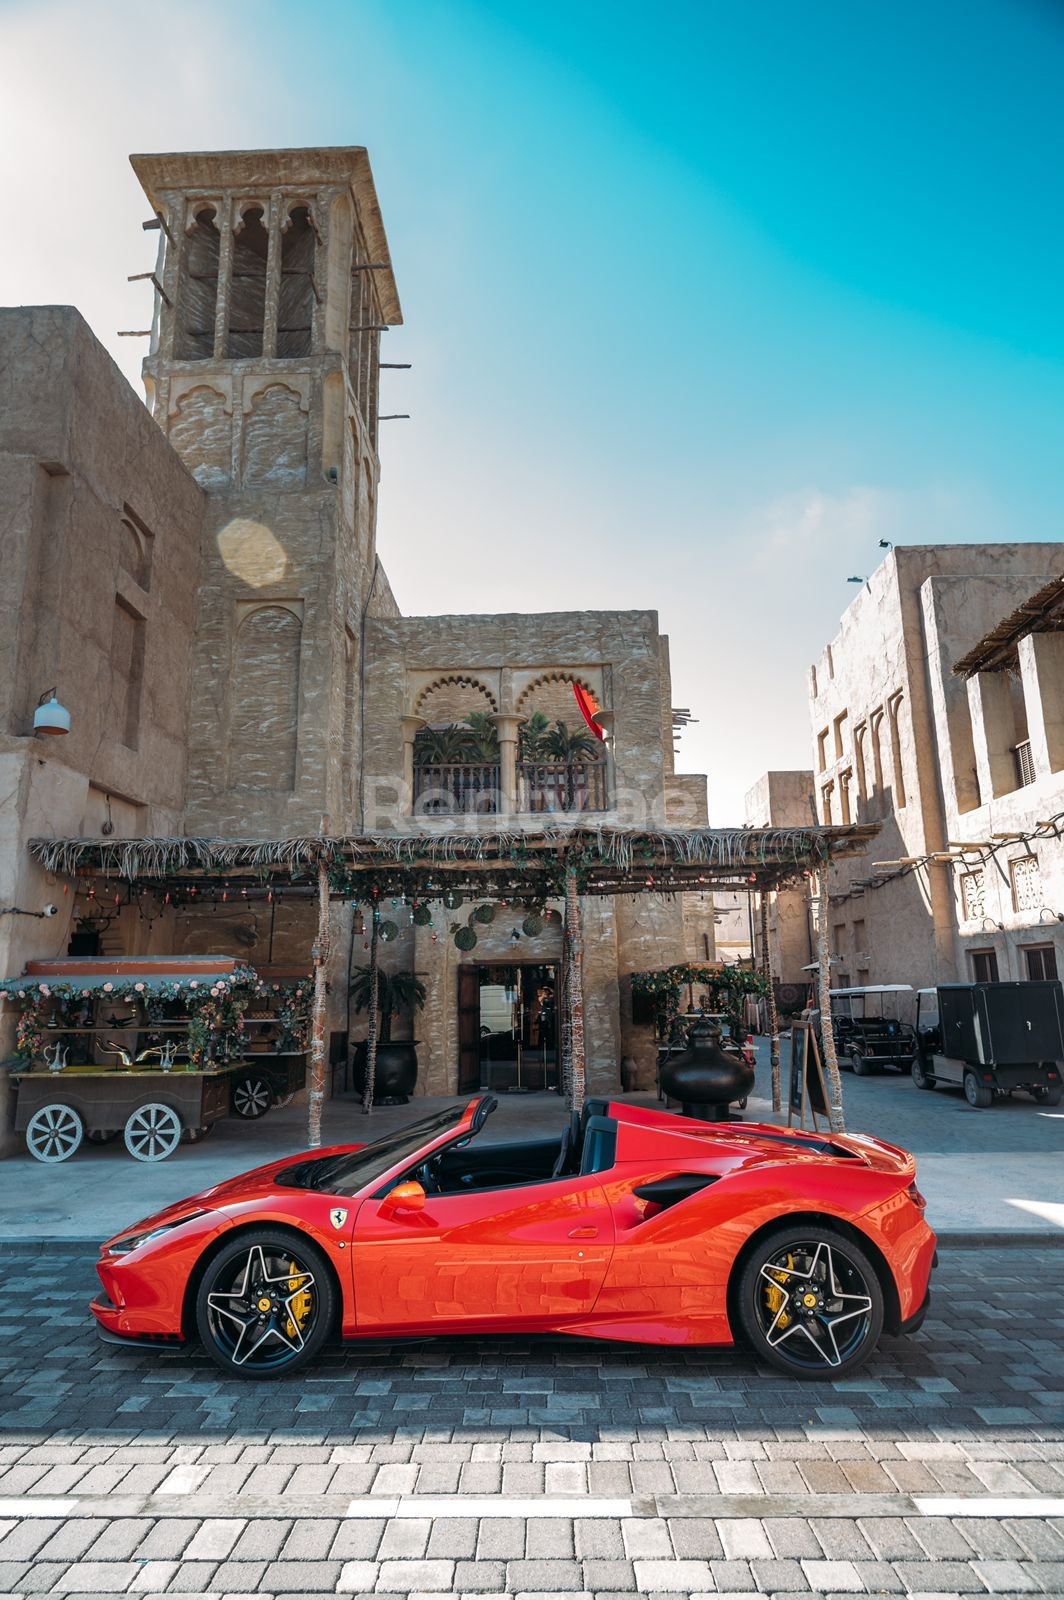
{"x":1042,"y":613}
{"x":608,"y":859}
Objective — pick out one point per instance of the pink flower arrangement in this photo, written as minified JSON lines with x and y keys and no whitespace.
{"x":139,"y":987}
{"x":107,"y":988}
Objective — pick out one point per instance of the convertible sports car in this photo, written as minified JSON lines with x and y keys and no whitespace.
{"x":640,"y":1225}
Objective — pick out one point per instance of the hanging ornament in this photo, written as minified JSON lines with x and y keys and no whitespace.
{"x":532,"y":926}
{"x":485,"y":913}
{"x":453,"y":899}
{"x":465,"y":938}
{"x":421,"y":916}
{"x":389,"y":931}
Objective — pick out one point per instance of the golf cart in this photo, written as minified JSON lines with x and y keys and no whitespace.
{"x":869,"y":1033}
{"x":991,"y":1038}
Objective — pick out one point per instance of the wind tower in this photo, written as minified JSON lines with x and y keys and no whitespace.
{"x":273,"y":288}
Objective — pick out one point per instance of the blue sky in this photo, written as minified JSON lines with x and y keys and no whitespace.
{"x":703,"y":300}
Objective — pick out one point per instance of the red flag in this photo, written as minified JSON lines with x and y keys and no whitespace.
{"x":587,"y":705}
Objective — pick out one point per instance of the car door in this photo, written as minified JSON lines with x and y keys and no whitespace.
{"x":532,"y":1255}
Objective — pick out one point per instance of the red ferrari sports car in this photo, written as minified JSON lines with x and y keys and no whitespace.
{"x":638,"y":1225}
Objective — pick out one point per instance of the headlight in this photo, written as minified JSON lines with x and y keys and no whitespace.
{"x":135,"y":1240}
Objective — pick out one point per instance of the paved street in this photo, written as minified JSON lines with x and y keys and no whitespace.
{"x":693,"y":1473}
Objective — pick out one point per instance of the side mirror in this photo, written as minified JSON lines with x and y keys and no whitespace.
{"x":407,"y":1197}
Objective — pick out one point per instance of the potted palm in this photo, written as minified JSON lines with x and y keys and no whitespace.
{"x":396,"y":1068}
{"x":570,"y":748}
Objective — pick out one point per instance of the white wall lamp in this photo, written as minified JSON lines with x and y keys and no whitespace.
{"x":990,"y":926}
{"x":50,"y":716}
{"x":17,"y":911}
{"x":1047,"y":914}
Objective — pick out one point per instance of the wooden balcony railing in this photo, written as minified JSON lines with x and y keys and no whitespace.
{"x":457,"y":787}
{"x":558,"y":786}
{"x":475,"y":788}
{"x":1024,"y":764}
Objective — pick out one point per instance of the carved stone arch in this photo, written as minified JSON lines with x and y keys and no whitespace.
{"x":264,"y":697}
{"x":450,"y":698}
{"x":247,"y":289}
{"x":275,"y":439}
{"x":200,"y":431}
{"x":291,"y":203}
{"x":552,"y":694}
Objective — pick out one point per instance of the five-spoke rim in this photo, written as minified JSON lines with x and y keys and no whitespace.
{"x":813,"y":1304}
{"x":263,"y":1308}
{"x":54,"y":1133}
{"x":152,"y":1132}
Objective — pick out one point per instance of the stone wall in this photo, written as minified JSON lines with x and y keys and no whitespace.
{"x":878,"y":745}
{"x":101,"y":530}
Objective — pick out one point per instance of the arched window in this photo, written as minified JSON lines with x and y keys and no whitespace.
{"x":198,"y":293}
{"x":264,"y":716}
{"x":247,"y":297}
{"x":295,"y":310}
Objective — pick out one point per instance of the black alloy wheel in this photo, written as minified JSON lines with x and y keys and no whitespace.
{"x":810,"y":1303}
{"x":250,"y":1096}
{"x":266,"y":1304}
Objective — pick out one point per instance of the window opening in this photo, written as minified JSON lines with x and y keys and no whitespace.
{"x":198,"y":295}
{"x":247,"y":296}
{"x":295,"y":311}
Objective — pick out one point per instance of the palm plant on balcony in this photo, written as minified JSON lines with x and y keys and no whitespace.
{"x":570,"y":748}
{"x":531,"y":735}
{"x":484,"y":741}
{"x":445,"y":747}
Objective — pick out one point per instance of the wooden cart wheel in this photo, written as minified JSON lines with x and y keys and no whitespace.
{"x":54,"y":1132}
{"x":152,"y":1132}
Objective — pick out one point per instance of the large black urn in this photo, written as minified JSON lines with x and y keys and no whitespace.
{"x":705,"y":1077}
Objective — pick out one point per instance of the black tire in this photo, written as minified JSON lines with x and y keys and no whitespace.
{"x":977,"y":1094}
{"x":809,"y":1261}
{"x":861,"y":1068}
{"x":250,"y":1096}
{"x":1049,"y":1095}
{"x":238,"y":1332}
{"x":921,"y":1078}
{"x":195,"y":1135}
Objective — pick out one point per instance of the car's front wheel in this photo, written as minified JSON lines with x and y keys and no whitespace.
{"x":266,"y":1304}
{"x":810,"y":1303}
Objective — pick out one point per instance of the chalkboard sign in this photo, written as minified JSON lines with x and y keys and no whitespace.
{"x":806,"y":1082}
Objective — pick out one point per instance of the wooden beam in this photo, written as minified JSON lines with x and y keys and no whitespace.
{"x":320,"y":957}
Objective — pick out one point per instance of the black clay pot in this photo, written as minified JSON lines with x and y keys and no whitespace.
{"x":395,"y":1074}
{"x":705,"y":1078}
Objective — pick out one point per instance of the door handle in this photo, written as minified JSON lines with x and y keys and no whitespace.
{"x":587,"y":1232}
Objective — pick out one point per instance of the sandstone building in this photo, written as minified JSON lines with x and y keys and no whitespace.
{"x":937,"y":713}
{"x":203,"y":587}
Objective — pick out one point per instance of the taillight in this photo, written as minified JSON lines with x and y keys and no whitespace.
{"x":917,"y":1198}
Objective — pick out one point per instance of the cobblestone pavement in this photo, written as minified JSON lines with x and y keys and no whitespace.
{"x":730,"y":1479}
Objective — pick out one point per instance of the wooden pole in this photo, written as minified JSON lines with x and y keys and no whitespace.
{"x":369,"y":1082}
{"x":320,"y":958}
{"x":574,"y":924}
{"x":836,"y":1119}
{"x":773,"y":1017}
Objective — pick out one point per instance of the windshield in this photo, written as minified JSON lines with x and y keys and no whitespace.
{"x":346,"y":1174}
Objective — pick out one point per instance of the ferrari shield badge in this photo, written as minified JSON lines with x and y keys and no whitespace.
{"x":337,"y":1217}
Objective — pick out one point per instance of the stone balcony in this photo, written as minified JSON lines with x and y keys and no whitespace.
{"x":478,"y":788}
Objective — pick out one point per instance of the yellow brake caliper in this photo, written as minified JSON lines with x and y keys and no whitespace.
{"x":775,"y":1298}
{"x":300,"y":1307}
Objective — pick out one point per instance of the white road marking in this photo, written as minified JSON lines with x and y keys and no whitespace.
{"x":457,"y":1505}
{"x":988,"y":1506}
{"x":28,"y":1505}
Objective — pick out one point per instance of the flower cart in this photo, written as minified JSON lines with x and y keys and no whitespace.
{"x":142,"y":1046}
{"x":274,"y":1068}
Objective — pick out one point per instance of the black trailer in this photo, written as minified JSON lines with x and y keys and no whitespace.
{"x":990,"y":1039}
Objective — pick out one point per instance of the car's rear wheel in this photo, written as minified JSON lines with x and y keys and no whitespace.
{"x":977,"y":1094}
{"x":810,"y":1303}
{"x":251,"y":1096}
{"x":266,"y":1304}
{"x":1050,"y":1095}
{"x":862,"y":1068}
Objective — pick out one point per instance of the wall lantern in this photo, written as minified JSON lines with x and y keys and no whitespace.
{"x":50,"y":716}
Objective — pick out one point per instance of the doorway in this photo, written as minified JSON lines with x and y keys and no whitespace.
{"x":508,"y":1026}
